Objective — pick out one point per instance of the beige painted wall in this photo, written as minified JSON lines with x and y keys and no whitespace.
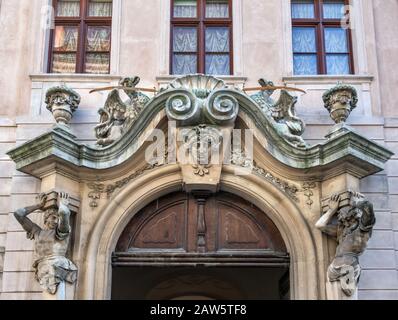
{"x":262,"y":39}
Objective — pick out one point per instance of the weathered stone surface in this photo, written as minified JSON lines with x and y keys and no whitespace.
{"x":5,"y":204}
{"x":378,"y":294}
{"x":375,"y":183}
{"x":355,"y":223}
{"x":379,"y":200}
{"x":18,"y":261}
{"x":348,"y":144}
{"x":392,"y":168}
{"x":3,"y":237}
{"x":6,"y":169}
{"x":5,"y":186}
{"x":7,"y":134}
{"x":17,"y":241}
{"x":383,"y":221}
{"x":393,"y":185}
{"x":395,"y":222}
{"x":51,"y":242}
{"x":3,"y":222}
{"x":20,"y":282}
{"x":393,"y":203}
{"x":391,"y":134}
{"x":4,"y":148}
{"x":21,"y":296}
{"x":393,"y":146}
{"x":379,"y":279}
{"x":381,"y":239}
{"x":396,"y":239}
{"x":378,"y":259}
{"x":28,"y":132}
{"x":25,"y":185}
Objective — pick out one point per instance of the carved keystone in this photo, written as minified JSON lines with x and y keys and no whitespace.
{"x":62,"y":102}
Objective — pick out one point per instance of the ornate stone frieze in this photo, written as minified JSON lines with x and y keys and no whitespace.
{"x":98,"y":188}
{"x":349,"y":219}
{"x":51,"y":242}
{"x":307,"y":188}
{"x":62,"y":102}
{"x":282,"y":114}
{"x":117,"y":116}
{"x":241,"y":160}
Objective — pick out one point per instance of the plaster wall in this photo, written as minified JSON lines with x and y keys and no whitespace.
{"x":140,"y":46}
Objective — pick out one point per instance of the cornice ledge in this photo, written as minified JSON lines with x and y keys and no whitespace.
{"x":62,"y":146}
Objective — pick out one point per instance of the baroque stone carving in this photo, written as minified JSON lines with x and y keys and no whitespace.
{"x":51,"y":242}
{"x":281,"y":114}
{"x":62,"y":102}
{"x":340,"y":101}
{"x":117,"y":116}
{"x":199,"y":99}
{"x":237,"y":158}
{"x":203,"y":142}
{"x":355,"y":222}
{"x":307,"y":188}
{"x":98,"y":188}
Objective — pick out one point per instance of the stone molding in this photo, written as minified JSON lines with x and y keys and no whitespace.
{"x":57,"y":145}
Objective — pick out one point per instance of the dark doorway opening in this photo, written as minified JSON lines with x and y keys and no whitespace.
{"x":200,"y":246}
{"x":200,"y":283}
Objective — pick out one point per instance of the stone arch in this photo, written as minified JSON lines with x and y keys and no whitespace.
{"x":97,"y":270}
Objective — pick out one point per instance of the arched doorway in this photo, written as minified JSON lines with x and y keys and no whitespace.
{"x":200,"y":246}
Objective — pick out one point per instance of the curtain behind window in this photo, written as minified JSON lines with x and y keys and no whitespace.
{"x":217,"y":9}
{"x":68,"y":8}
{"x":100,"y":8}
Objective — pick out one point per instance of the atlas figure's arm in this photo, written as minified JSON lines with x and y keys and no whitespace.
{"x":21,"y":214}
{"x":64,"y":214}
{"x":323,"y":223}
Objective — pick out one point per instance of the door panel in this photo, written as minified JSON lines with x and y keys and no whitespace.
{"x":201,"y":223}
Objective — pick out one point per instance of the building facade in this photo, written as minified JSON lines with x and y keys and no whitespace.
{"x":152,"y":224}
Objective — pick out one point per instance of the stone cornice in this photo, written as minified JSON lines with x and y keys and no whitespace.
{"x":63,"y":148}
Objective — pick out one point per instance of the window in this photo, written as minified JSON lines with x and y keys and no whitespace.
{"x":320,"y":44}
{"x":81,"y":40}
{"x":201,"y":37}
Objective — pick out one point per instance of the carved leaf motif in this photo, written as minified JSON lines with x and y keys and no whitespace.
{"x":163,"y":231}
{"x":238,"y":231}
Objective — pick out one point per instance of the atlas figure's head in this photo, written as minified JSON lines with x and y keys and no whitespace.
{"x":51,"y":219}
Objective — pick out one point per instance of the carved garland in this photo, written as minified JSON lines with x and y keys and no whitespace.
{"x":99,"y":188}
{"x":242,"y":161}
{"x":307,"y":188}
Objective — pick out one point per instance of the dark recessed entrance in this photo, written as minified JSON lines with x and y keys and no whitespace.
{"x":200,"y":246}
{"x":201,"y":283}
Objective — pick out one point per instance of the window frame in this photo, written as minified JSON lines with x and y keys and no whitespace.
{"x":82,"y":22}
{"x":201,"y":23}
{"x":320,"y":23}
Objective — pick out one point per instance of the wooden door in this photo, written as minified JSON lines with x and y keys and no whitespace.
{"x":200,"y":224}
